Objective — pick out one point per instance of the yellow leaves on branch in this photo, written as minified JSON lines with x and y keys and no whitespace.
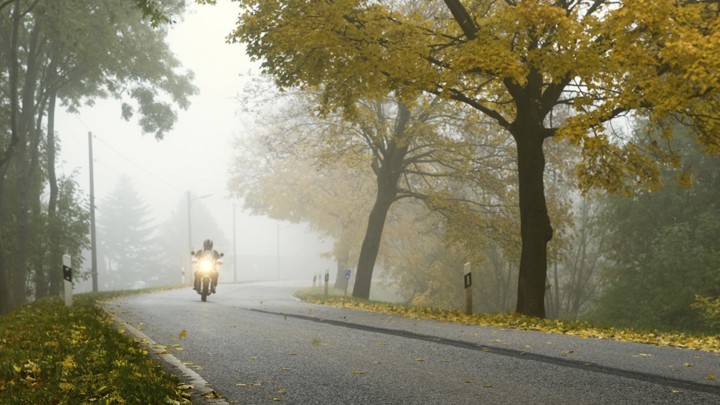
{"x":657,"y":57}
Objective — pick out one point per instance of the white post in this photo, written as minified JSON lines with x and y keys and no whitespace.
{"x":327,"y":279}
{"x":67,"y":275}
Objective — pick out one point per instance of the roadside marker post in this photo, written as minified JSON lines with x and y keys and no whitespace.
{"x":347,"y":279}
{"x":327,"y":279}
{"x":468,"y":289}
{"x":67,"y":276}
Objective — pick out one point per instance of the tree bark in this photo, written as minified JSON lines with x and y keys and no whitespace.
{"x":388,"y":174}
{"x":5,"y":292}
{"x":27,"y":150}
{"x":5,"y":303}
{"x":535,"y":229}
{"x":371,"y":243}
{"x":54,"y":277}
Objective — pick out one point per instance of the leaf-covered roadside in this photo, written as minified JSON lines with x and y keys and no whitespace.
{"x":708,"y":343}
{"x":50,"y":354}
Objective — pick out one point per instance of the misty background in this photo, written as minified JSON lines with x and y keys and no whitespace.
{"x":193,"y":157}
{"x":645,"y":256}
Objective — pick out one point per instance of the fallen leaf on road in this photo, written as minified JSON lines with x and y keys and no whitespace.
{"x":212,"y":395}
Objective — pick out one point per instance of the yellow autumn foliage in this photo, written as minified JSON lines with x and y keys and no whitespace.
{"x":609,"y":59}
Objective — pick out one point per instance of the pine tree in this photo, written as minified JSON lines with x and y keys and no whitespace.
{"x":126,"y":237}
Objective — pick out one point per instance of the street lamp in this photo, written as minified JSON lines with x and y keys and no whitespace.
{"x":189,"y":205}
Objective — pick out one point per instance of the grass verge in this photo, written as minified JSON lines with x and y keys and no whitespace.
{"x":51,"y":354}
{"x":708,"y":343}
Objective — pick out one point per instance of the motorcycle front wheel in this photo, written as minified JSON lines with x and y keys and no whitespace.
{"x":204,"y":290}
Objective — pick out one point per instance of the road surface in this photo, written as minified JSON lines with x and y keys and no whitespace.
{"x":257,"y":344}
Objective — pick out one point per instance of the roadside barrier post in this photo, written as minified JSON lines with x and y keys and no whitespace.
{"x":327,"y":279}
{"x":67,"y":275}
{"x":347,"y":280}
{"x":468,"y":289}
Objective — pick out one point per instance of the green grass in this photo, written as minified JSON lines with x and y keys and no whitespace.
{"x":51,"y":354}
{"x":704,"y":342}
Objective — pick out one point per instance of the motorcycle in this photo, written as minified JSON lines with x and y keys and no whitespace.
{"x":206,"y":268}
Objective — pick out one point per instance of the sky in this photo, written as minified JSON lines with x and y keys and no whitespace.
{"x":195,"y":155}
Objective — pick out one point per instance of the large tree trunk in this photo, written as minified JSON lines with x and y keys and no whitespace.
{"x":5,"y":303}
{"x":25,"y":166}
{"x":371,"y":243}
{"x":535,"y":229}
{"x":54,"y":265}
{"x":12,"y":51}
{"x":388,"y":174}
{"x":22,"y":227}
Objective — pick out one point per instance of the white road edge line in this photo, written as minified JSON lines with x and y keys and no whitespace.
{"x":191,"y":377}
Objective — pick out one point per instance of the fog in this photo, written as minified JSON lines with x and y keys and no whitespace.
{"x":195,"y":156}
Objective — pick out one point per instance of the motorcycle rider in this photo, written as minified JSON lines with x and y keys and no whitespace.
{"x":207,"y":250}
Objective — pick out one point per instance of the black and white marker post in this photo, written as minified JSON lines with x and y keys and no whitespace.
{"x":327,"y":280}
{"x":67,"y":275}
{"x":468,"y":289}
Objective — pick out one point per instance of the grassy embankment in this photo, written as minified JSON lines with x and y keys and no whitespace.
{"x":704,"y":342}
{"x":51,"y":354}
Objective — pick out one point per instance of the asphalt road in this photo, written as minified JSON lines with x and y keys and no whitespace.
{"x":256,"y":344}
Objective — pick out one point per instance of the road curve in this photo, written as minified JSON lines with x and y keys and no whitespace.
{"x":256,"y":344}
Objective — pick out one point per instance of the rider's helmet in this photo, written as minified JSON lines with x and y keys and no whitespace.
{"x":207,"y":245}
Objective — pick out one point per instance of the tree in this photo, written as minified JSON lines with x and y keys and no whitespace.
{"x":66,"y":232}
{"x":127,"y":238}
{"x":407,"y":146}
{"x":330,"y":196}
{"x":516,"y":62}
{"x":74,"y":53}
{"x":663,"y":247}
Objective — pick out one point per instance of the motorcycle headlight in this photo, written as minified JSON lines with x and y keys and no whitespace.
{"x":206,"y":265}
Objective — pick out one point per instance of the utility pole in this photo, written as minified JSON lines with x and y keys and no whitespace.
{"x":93,"y":238}
{"x":234,"y":248}
{"x":190,"y":247}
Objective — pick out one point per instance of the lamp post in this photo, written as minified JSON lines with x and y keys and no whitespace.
{"x":189,"y":218}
